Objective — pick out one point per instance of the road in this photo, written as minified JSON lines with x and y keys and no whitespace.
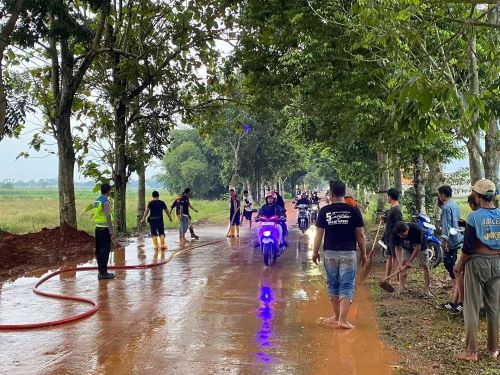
{"x":213,"y":310}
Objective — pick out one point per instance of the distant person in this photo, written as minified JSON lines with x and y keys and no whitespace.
{"x":103,"y":232}
{"x":302,"y":200}
{"x":450,"y":243}
{"x":234,"y":214}
{"x":342,"y":227}
{"x":481,"y":261}
{"x":182,"y":206}
{"x":314,"y":198}
{"x":155,"y":210}
{"x":392,"y":217}
{"x":188,"y":194}
{"x":410,"y":244}
{"x":247,"y":207}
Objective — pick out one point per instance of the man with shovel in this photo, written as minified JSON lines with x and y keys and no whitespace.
{"x":410,"y":243}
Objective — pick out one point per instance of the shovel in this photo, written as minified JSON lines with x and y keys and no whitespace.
{"x":384,"y":283}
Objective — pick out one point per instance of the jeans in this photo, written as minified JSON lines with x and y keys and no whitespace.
{"x":340,"y":267}
{"x":102,"y":248}
{"x":449,"y":260}
{"x":183,"y":224}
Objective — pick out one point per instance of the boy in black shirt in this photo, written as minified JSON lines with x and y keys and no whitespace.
{"x":155,"y":210}
{"x":342,"y":226}
{"x":410,"y":243}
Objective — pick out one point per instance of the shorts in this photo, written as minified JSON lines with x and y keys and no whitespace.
{"x":340,"y":268}
{"x":235,"y":218}
{"x":390,"y":251}
{"x":422,"y":257}
{"x":247,"y":215}
{"x":157,"y":227}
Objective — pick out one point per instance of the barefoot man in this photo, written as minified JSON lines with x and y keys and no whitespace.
{"x":342,"y":227}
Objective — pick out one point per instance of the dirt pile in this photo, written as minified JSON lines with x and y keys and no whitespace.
{"x":31,"y":253}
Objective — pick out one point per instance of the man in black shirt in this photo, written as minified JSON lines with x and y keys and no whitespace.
{"x":411,"y":243}
{"x":392,"y":217}
{"x":342,"y":227}
{"x":182,"y":206}
{"x":155,"y":210}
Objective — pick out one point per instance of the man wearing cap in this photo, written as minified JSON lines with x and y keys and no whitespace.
{"x":480,"y":263}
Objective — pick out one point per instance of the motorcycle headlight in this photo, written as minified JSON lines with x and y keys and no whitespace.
{"x":267,"y":233}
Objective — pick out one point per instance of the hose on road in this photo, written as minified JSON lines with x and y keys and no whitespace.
{"x":88,"y":301}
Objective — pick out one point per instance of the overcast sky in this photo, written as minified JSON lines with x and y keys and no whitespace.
{"x":41,"y":166}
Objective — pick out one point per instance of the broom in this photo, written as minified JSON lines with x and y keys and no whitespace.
{"x":368,"y":266}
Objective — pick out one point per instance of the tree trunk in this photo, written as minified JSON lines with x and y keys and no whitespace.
{"x":66,"y":168}
{"x":492,"y":152}
{"x":120,"y":170}
{"x":141,"y":192}
{"x":383,"y":180}
{"x":397,"y":175}
{"x":5,"y":33}
{"x":436,"y":180}
{"x":491,"y":158}
{"x":475,"y":164}
{"x":418,"y":183}
{"x":472,"y":143}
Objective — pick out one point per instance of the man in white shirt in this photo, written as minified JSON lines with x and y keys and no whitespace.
{"x":248,"y":207}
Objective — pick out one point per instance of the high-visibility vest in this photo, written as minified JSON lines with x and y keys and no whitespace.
{"x":99,"y":214}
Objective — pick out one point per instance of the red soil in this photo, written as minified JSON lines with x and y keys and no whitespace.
{"x":33,"y":253}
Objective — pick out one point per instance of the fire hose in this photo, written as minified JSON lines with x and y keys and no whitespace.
{"x":94,"y":304}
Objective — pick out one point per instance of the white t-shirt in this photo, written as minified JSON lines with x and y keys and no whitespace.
{"x":248,"y":200}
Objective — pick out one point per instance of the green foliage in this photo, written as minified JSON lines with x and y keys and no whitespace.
{"x":190,"y":162}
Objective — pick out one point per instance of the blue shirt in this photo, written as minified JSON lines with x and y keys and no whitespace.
{"x":449,"y":219}
{"x":483,"y":225}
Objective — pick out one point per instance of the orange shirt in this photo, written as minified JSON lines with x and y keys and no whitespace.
{"x":351,"y":201}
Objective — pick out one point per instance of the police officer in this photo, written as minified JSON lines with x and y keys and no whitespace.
{"x":103,"y":232}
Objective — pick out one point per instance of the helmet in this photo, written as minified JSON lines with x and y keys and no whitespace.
{"x":314,"y":193}
{"x":271,"y":194}
{"x":304,"y":195}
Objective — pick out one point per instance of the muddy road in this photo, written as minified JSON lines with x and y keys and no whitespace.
{"x":212,"y":310}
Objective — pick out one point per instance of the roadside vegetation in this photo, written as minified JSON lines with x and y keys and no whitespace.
{"x":26,"y":210}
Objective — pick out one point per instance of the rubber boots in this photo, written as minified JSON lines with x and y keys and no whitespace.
{"x":231,"y":231}
{"x":163,"y":244}
{"x":193,"y":235}
{"x":237,"y":227}
{"x":155,"y":241}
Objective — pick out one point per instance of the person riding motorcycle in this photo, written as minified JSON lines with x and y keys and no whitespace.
{"x":271,"y":208}
{"x":315,"y":198}
{"x":303,"y":200}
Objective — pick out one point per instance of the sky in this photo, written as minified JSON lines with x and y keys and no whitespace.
{"x":43,"y":166}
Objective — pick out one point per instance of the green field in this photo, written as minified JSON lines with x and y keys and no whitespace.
{"x":24,"y":210}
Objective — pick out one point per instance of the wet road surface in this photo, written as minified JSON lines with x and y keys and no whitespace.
{"x":213,"y":310}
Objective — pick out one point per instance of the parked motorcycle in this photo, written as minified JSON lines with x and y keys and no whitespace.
{"x":434,"y":249}
{"x":269,"y":238}
{"x":303,"y":217}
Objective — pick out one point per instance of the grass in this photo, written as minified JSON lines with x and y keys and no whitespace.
{"x":25,"y":210}
{"x":425,"y":338}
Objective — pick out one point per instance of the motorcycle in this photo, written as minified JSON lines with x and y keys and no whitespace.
{"x":269,"y":238}
{"x":314,"y":212}
{"x":303,"y":217}
{"x":434,"y":249}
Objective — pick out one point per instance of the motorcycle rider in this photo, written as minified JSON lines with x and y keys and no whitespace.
{"x":280,"y":202}
{"x":271,"y":208}
{"x":303,"y":200}
{"x":314,"y":198}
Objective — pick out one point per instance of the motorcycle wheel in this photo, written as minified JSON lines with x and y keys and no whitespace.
{"x":435,"y":254}
{"x":267,"y":250}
